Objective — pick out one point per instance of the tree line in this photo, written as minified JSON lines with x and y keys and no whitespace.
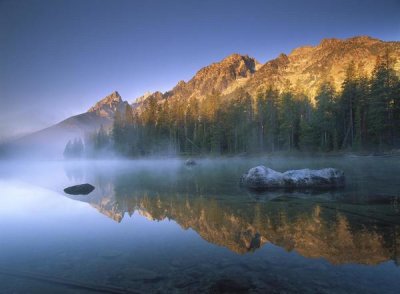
{"x":363,"y":115}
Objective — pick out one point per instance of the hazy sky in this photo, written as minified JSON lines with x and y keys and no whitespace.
{"x":58,"y":57}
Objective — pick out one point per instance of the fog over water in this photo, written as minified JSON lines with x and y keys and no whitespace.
{"x":112,"y":97}
{"x":158,"y":225}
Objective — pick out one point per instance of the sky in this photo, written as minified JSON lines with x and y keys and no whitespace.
{"x":59,"y":57}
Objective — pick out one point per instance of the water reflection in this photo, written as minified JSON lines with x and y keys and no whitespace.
{"x":355,"y":225}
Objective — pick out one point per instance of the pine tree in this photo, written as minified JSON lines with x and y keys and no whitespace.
{"x":324,"y":117}
{"x":118,"y":132}
{"x":288,"y":120}
{"x":272,"y":118}
{"x":383,"y":114}
{"x":348,"y":99}
{"x":68,"y":150}
{"x":74,"y":149}
{"x":101,"y":139}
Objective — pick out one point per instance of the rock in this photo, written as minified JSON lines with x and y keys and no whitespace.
{"x":263,"y":178}
{"x":190,"y":162}
{"x":255,"y":242}
{"x":83,"y":189}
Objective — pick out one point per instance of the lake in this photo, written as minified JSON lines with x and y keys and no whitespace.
{"x":158,"y":226}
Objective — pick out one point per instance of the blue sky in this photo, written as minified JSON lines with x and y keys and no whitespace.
{"x":58,"y":57}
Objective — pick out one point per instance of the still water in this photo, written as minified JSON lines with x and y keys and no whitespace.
{"x":157,"y":226}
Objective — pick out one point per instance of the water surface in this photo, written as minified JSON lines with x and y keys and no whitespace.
{"x":157,"y":226}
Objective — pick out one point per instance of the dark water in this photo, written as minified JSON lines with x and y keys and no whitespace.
{"x":156,"y":226}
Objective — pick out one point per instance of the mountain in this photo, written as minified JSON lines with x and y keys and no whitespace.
{"x":107,"y":107}
{"x":52,"y":140}
{"x":304,"y":69}
{"x":220,"y":77}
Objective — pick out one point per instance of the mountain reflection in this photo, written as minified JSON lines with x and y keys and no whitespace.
{"x":315,"y":226}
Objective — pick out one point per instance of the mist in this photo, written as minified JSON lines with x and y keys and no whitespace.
{"x":48,"y":75}
{"x":199,"y":146}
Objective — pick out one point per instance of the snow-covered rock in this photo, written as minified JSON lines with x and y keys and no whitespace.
{"x":261,"y":177}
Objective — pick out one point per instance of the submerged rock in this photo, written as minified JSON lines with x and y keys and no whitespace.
{"x":255,"y":242}
{"x":190,"y":162}
{"x":263,"y":178}
{"x":83,"y":189}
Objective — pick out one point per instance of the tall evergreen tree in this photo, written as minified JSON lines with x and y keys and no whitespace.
{"x":324,"y":117}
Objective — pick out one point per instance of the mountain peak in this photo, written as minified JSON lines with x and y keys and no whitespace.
{"x":235,"y":56}
{"x":221,"y":75}
{"x":329,"y":42}
{"x":357,"y":40}
{"x":142,"y":98}
{"x":364,"y":39}
{"x":307,"y":67}
{"x":113,"y":97}
{"x":107,"y":106}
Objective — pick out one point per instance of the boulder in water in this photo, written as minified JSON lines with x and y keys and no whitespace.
{"x":190,"y":162}
{"x":263,"y":178}
{"x":83,"y":189}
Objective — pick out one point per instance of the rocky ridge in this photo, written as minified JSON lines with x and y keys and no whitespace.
{"x":303,"y":70}
{"x":107,"y":106}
